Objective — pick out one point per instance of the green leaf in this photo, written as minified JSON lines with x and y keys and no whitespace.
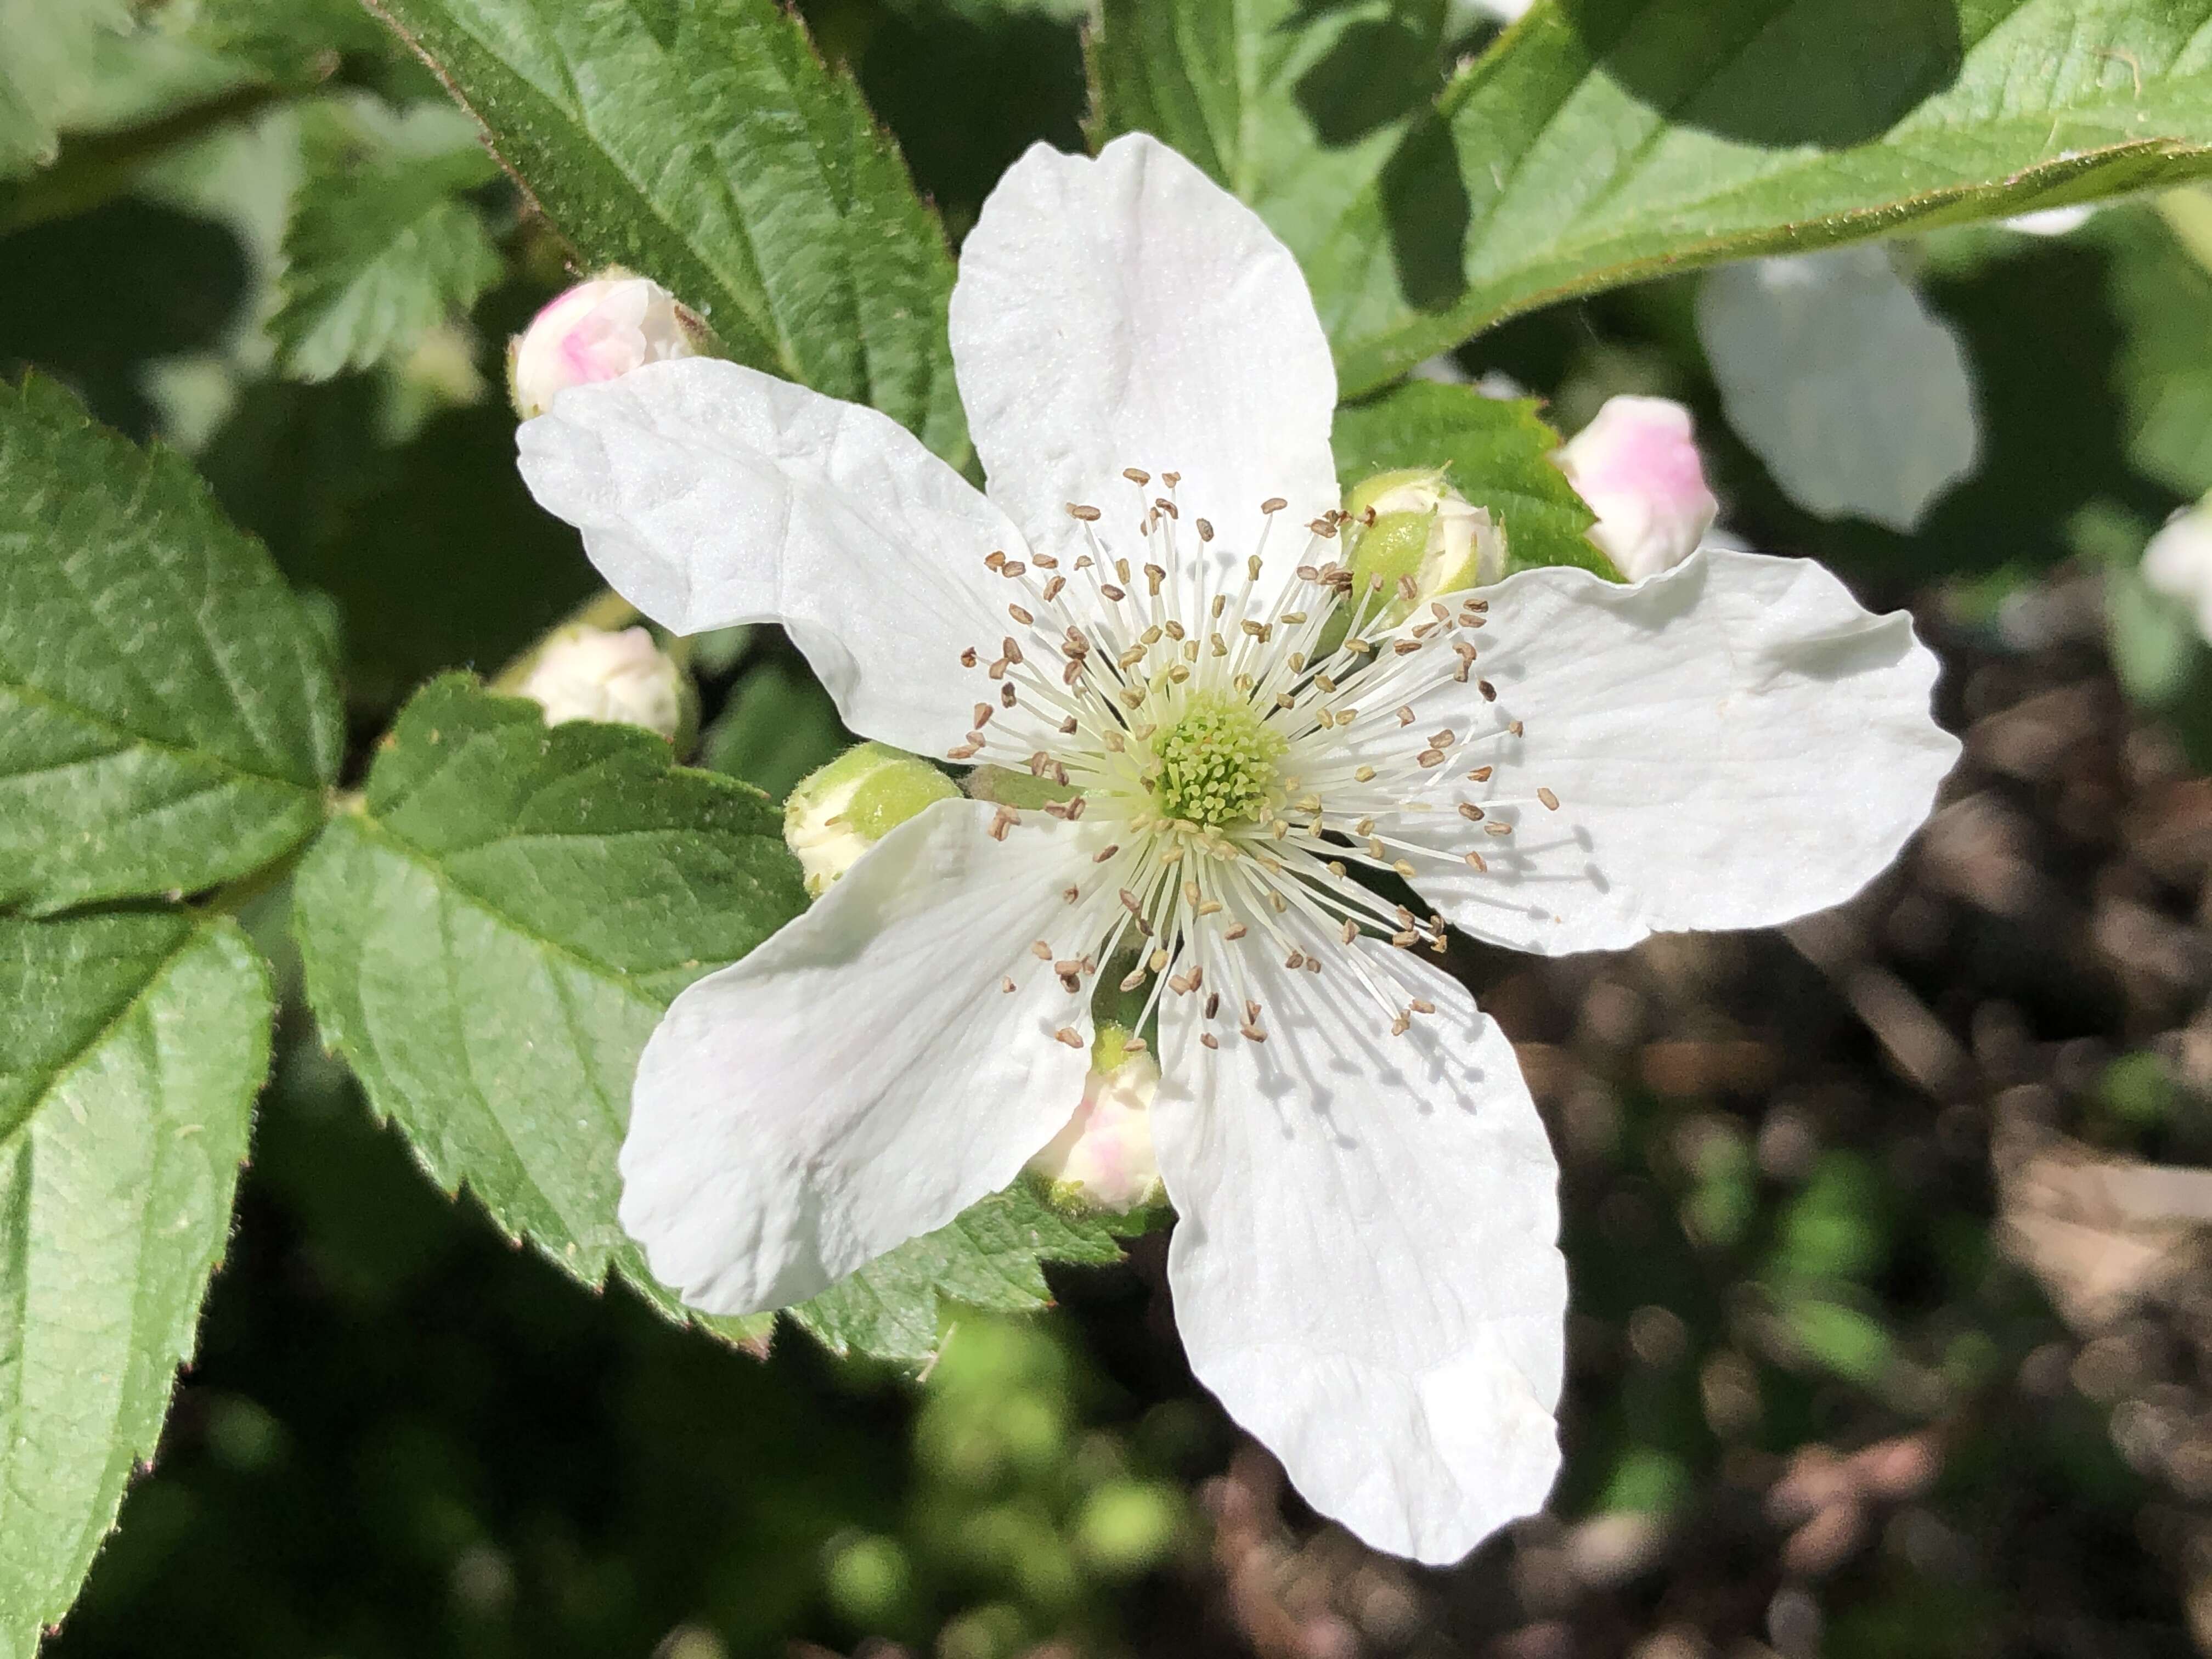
{"x":167,"y":717}
{"x":1602,"y":141}
{"x":1497,"y":453}
{"x":52,"y":50}
{"x":289,"y":39}
{"x":382,"y":246}
{"x":131,"y":1046}
{"x":703,"y":142}
{"x":780,"y":725}
{"x":490,"y":940}
{"x":2162,"y":298}
{"x":990,"y":1257}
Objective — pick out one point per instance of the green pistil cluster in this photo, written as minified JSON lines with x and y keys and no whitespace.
{"x":1215,"y":765}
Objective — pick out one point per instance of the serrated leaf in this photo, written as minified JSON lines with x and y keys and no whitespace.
{"x":383,"y":245}
{"x":168,"y":719}
{"x":490,"y":940}
{"x":990,"y":1257}
{"x":52,"y":50}
{"x":131,"y":1046}
{"x":1497,"y":455}
{"x":1602,"y":141}
{"x":703,"y":142}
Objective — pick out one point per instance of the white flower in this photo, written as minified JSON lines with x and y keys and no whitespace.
{"x":1103,"y":1157}
{"x":586,"y":673}
{"x":1832,"y":367}
{"x":2177,"y":562}
{"x":597,"y":331}
{"x":1638,"y":467}
{"x":1364,"y":1268}
{"x":841,"y":809}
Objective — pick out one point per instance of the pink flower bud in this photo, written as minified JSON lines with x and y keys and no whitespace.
{"x":1104,"y":1158}
{"x":595,"y":331}
{"x":1639,"y":470}
{"x":585,"y":673}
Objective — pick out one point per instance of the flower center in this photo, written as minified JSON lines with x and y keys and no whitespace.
{"x":1216,"y":764}
{"x":1243,"y":747}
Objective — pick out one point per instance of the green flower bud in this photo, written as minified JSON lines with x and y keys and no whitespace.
{"x":839,"y":812}
{"x":1410,"y":525}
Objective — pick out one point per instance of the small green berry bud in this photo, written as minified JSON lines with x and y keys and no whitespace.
{"x":839,"y":812}
{"x":1421,"y":530}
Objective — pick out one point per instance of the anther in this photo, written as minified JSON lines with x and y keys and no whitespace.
{"x":1137,"y":476}
{"x":1065,"y":1035}
{"x":968,"y":658}
{"x":1020,"y":614}
{"x":1550,"y":800}
{"x":1005,"y":695}
{"x":1105,"y":853}
{"x":1088,"y":515}
{"x":1481,"y":774}
{"x":1006,"y":985}
{"x":993,"y":560}
{"x":1475,"y":861}
{"x":1489,"y":691}
{"x":1274,"y":504}
{"x":1041,"y":950}
{"x":1470,"y":811}
{"x":1205,"y":531}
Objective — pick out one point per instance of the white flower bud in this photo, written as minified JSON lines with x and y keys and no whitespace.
{"x":586,"y":673}
{"x":2177,"y":562}
{"x":1639,"y":468}
{"x":1102,"y":1159}
{"x":595,"y":331}
{"x":839,"y":812}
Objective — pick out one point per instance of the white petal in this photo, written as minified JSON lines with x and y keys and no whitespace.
{"x":1733,"y":744}
{"x":1836,"y":373}
{"x":1127,"y":311}
{"x":710,"y":493}
{"x":1363,"y":1264}
{"x":860,"y":1077}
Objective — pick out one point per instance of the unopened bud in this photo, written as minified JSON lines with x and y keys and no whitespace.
{"x":598,"y":330}
{"x":1638,"y":467}
{"x":1422,"y":529}
{"x":1104,"y":1158}
{"x":2178,"y":563}
{"x":586,"y":673}
{"x":839,"y":812}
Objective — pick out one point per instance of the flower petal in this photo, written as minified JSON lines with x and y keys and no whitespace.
{"x":861,"y":1078}
{"x":1127,"y":311}
{"x":710,"y":493}
{"x":1363,"y":1264}
{"x":1731,"y":745}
